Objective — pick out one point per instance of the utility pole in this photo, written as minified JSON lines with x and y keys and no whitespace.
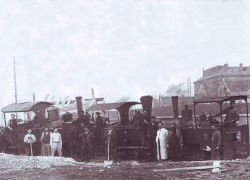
{"x":15,"y":84}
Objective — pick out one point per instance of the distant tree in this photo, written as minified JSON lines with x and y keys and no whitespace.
{"x":123,"y":99}
{"x":176,"y":90}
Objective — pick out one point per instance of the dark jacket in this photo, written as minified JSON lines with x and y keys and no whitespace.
{"x":113,"y":138}
{"x":74,"y":136}
{"x":152,"y":130}
{"x":3,"y":139}
{"x":216,"y":139}
{"x":87,"y":139}
{"x":178,"y":134}
{"x":139,"y":121}
{"x":99,"y":122}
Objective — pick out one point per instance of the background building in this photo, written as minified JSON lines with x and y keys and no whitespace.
{"x":223,"y":81}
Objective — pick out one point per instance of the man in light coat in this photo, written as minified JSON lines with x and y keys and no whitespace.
{"x":162,"y":142}
{"x":45,"y":140}
{"x":56,"y":143}
{"x":29,"y":140}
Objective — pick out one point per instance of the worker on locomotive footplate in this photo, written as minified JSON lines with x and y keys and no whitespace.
{"x":12,"y":122}
{"x":175,"y":142}
{"x":3,"y":140}
{"x":152,"y":133}
{"x":87,"y":140}
{"x":74,"y":141}
{"x":29,"y":140}
{"x":231,"y":115}
{"x":140,"y":122}
{"x":110,"y":139}
{"x":45,"y":142}
{"x":99,"y":131}
{"x":215,"y":142}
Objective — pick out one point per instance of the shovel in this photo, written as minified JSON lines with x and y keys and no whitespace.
{"x":108,"y":162}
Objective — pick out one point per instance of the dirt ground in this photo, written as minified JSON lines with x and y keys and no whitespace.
{"x":22,"y":167}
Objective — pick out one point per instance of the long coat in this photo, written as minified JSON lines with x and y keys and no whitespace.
{"x":162,"y":141}
{"x":113,"y":138}
{"x":87,"y":138}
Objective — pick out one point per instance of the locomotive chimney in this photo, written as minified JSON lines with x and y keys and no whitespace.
{"x":175,"y":105}
{"x":79,"y":104}
{"x":146,"y":102}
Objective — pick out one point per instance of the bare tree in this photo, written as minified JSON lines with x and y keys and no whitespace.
{"x":176,"y":90}
{"x":123,"y":99}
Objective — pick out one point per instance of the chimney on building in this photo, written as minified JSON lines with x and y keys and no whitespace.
{"x":226,"y":65}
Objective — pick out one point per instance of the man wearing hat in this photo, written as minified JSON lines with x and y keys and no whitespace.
{"x":175,"y":142}
{"x":29,"y":140}
{"x":99,"y":130}
{"x":87,"y":145}
{"x":215,"y":143}
{"x":231,"y":115}
{"x":110,"y":139}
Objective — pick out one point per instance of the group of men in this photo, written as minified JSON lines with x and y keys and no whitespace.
{"x":158,"y":138}
{"x":50,"y":143}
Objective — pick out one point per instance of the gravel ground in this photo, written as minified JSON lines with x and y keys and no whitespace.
{"x":23,"y":167}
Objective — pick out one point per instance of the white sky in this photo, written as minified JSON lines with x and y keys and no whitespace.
{"x":119,"y":48}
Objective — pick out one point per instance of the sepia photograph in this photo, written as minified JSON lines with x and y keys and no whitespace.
{"x":129,"y":89}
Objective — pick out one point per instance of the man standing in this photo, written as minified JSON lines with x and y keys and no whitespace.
{"x":152,"y":132}
{"x":3,"y":140}
{"x":99,"y":130}
{"x":175,"y":143}
{"x":215,"y":143}
{"x":74,"y":141}
{"x":162,"y":142}
{"x":140,"y":122}
{"x":87,"y":145}
{"x":56,"y":143}
{"x":110,"y":142}
{"x":45,"y":140}
{"x":231,"y":115}
{"x":29,"y":140}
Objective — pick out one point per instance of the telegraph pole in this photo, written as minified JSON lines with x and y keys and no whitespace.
{"x":15,"y":84}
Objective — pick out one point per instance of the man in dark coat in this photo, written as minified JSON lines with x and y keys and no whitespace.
{"x":140,"y":122}
{"x":87,"y":145}
{"x":110,"y":138}
{"x":175,"y":143}
{"x":3,"y":141}
{"x":13,"y":122}
{"x":215,"y":143}
{"x":74,"y":141}
{"x":99,"y":130}
{"x":152,"y":133}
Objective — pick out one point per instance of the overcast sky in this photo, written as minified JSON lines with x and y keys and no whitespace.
{"x":119,"y":48}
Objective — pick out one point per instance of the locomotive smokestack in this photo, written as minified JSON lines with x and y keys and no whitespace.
{"x":175,"y":105}
{"x":146,"y":102}
{"x":79,"y":104}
